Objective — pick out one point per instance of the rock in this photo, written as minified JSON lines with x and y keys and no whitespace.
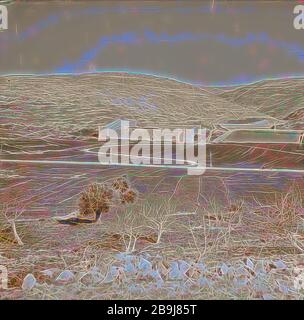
{"x":156,"y":275}
{"x":201,"y":267}
{"x":145,"y":266}
{"x":136,"y":289}
{"x":65,"y":276}
{"x":204,"y":282}
{"x":184,"y":266}
{"x":49,"y":272}
{"x":267,"y":296}
{"x":95,"y":270}
{"x":159,"y":280}
{"x":240,"y":282}
{"x":93,"y":276}
{"x":283,"y":288}
{"x":249,"y":264}
{"x":279,"y":264}
{"x":112,"y":274}
{"x":224,"y":269}
{"x":122,"y":256}
{"x":130,"y":268}
{"x":29,"y":282}
{"x":260,"y":268}
{"x":96,"y":275}
{"x":175,"y":273}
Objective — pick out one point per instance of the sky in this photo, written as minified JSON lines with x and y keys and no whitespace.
{"x":201,"y":42}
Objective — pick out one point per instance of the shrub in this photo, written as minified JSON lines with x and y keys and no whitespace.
{"x":99,"y":197}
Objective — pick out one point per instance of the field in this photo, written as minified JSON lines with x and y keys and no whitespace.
{"x":226,"y":234}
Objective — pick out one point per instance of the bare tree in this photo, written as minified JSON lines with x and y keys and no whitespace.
{"x":8,"y":217}
{"x":159,"y":217}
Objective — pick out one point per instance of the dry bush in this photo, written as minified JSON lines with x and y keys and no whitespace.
{"x":282,"y":218}
{"x":8,"y":216}
{"x":97,"y":198}
{"x":274,"y":225}
{"x":121,"y":184}
{"x":147,"y":220}
{"x":128,"y":196}
{"x":123,"y":188}
{"x":160,"y":216}
{"x":130,"y":227}
{"x":282,"y":212}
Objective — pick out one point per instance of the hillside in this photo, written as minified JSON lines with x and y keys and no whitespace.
{"x":61,"y":105}
{"x":276,"y":98}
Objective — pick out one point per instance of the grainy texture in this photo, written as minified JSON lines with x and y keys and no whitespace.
{"x":231,"y":235}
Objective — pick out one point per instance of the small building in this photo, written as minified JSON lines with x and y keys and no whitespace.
{"x":249,"y":123}
{"x":170,"y":136}
{"x":261,"y":136}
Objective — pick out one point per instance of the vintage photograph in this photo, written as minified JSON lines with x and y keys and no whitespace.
{"x":151,"y":150}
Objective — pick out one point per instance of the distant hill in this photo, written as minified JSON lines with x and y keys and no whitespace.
{"x":276,"y":98}
{"x":65,"y":104}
